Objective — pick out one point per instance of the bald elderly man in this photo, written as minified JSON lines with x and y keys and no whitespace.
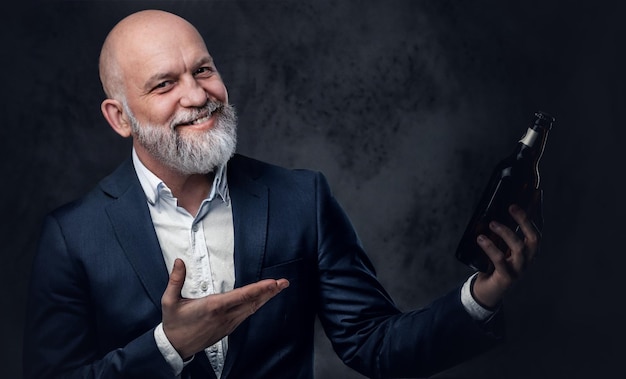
{"x":191,"y":261}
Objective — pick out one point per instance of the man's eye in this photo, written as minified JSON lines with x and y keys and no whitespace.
{"x":162,"y":86}
{"x":204,"y":71}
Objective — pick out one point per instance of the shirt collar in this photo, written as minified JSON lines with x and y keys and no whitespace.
{"x":152,"y":185}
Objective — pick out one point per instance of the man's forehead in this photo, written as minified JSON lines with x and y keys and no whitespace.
{"x":164,"y":49}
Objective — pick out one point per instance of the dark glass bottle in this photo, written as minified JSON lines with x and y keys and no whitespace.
{"x":515,"y":180}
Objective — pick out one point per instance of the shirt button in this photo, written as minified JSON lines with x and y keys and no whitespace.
{"x":194,"y":227}
{"x":204,"y":286}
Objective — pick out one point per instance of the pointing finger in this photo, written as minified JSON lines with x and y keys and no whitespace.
{"x":251,"y":297}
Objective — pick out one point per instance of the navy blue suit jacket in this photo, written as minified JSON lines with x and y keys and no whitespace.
{"x":98,"y":278}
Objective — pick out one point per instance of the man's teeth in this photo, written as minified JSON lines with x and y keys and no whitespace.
{"x":201,"y":120}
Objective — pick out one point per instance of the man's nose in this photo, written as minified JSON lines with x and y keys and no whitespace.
{"x":193,"y":94}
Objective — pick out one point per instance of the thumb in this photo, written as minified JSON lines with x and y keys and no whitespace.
{"x":175,"y":284}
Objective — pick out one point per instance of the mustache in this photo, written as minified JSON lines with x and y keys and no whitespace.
{"x":189,"y":116}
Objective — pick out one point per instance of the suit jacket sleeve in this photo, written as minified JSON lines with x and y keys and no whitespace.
{"x":366,"y":329}
{"x":61,"y":338}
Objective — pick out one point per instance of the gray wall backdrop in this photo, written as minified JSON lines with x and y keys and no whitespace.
{"x":405,"y":106}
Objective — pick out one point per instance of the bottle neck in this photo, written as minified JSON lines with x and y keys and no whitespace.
{"x":533,"y":142}
{"x":530,"y":148}
{"x":537,"y":133}
{"x":531,"y":145}
{"x":530,"y":137}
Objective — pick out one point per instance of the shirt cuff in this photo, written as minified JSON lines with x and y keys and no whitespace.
{"x":475,"y":310}
{"x":169,"y":353}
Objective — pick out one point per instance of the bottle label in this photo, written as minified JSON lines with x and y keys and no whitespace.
{"x":529,"y":138}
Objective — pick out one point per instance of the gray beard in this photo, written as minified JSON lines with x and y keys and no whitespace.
{"x":197,"y":153}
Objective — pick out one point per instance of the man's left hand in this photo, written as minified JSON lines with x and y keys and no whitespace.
{"x":489,"y":288}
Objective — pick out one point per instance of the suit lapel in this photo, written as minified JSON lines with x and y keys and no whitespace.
{"x":250,"y":214}
{"x":133,"y":228}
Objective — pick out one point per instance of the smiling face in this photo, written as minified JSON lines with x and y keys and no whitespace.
{"x":166,"y":92}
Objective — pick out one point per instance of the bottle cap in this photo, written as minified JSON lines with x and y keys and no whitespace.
{"x":543,"y":120}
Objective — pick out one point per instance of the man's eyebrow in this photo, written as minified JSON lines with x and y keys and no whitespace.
{"x":204,"y":60}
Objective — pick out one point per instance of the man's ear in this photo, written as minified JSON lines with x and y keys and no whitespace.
{"x":113,"y":112}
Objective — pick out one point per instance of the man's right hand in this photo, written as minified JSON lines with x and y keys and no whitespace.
{"x":191,"y":325}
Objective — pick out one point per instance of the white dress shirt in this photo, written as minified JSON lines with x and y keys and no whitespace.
{"x":205,"y":242}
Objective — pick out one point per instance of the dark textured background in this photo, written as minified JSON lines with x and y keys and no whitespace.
{"x":405,"y":106}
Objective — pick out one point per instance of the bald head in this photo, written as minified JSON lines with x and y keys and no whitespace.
{"x":140,"y":36}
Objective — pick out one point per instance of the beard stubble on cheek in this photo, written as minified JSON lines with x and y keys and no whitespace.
{"x":189,"y":151}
